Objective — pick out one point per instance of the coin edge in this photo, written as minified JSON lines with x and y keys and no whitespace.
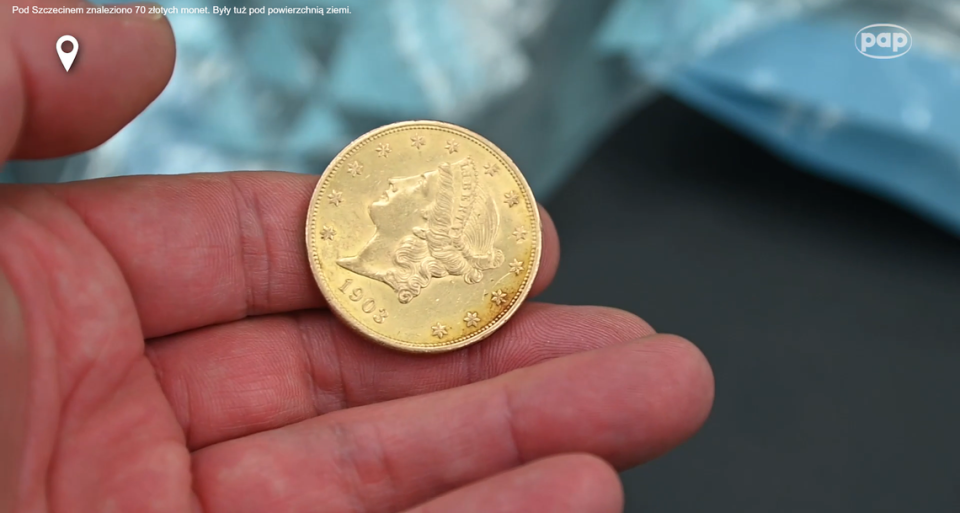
{"x":316,"y":265}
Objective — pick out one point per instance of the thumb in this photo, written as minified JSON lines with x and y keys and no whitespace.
{"x":123,"y":62}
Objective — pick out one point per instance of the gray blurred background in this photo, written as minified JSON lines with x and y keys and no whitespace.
{"x":829,"y":316}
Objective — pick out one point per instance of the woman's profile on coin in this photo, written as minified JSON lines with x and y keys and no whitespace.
{"x":453,"y":235}
{"x":423,"y":236}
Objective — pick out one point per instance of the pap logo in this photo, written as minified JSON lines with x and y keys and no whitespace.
{"x":883,"y":41}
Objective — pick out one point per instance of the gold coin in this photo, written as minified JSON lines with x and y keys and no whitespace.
{"x":423,"y":236}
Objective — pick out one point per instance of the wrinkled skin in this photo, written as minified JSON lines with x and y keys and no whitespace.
{"x":163,"y":346}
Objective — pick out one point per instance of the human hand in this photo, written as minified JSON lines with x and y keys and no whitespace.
{"x":163,"y":346}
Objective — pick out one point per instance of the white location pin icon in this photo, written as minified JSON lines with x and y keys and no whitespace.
{"x":67,"y":57}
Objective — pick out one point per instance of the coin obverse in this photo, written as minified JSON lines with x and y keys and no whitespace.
{"x":423,"y":236}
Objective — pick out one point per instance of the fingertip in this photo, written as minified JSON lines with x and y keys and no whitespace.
{"x":123,"y":62}
{"x":683,"y":386}
{"x":567,"y":483}
{"x":627,"y":403}
{"x":591,"y":483}
{"x":549,"y":256}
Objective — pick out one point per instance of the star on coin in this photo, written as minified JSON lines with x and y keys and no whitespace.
{"x":355,"y":168}
{"x":335,"y":198}
{"x":417,"y":141}
{"x":520,"y":234}
{"x":425,"y":179}
{"x":327,"y":233}
{"x":472,"y":319}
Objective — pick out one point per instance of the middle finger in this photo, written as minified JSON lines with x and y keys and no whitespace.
{"x":626,"y":404}
{"x":261,"y":373}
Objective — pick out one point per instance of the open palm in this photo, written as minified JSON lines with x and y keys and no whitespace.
{"x":164,"y":348}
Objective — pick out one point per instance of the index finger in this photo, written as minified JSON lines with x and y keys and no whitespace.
{"x":198,"y":250}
